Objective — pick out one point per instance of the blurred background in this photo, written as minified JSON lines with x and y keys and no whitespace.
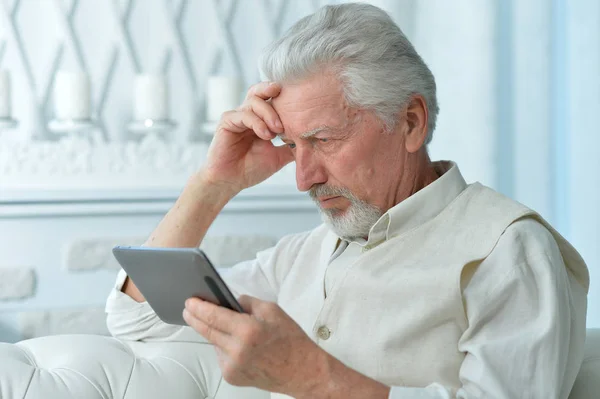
{"x":107,"y":106}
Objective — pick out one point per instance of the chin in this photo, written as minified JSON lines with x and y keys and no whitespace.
{"x":352,"y":222}
{"x":339,"y":222}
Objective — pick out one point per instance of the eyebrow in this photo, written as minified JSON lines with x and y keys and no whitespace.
{"x":309,"y":133}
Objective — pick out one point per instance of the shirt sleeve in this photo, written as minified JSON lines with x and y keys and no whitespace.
{"x":526,"y":328}
{"x":128,"y":319}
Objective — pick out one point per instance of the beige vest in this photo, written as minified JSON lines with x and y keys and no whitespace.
{"x":401,"y":325}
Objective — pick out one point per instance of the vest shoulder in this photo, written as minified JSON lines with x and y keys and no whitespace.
{"x":478,"y":194}
{"x":504,"y":215}
{"x":480,"y":203}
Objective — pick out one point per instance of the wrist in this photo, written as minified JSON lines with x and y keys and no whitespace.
{"x":321,"y":380}
{"x":202,"y":186}
{"x":332,"y":379}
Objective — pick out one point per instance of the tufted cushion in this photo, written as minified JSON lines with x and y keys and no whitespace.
{"x":89,"y":366}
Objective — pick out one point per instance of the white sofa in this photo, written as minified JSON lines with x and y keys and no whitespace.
{"x":89,"y":366}
{"x":94,"y":366}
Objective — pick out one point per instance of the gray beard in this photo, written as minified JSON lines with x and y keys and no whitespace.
{"x":355,"y":222}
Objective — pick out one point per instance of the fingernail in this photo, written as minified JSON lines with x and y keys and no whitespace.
{"x":188,"y":303}
{"x":278,"y":124}
{"x":272,"y":83}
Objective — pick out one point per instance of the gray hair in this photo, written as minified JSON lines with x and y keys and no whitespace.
{"x":377,"y":64}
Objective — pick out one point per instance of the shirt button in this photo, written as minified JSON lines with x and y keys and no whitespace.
{"x":324,"y":333}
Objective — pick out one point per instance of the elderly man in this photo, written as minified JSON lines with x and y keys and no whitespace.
{"x":417,"y":285}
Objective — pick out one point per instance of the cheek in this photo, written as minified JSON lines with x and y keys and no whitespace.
{"x":372,"y":172}
{"x":353,"y":170}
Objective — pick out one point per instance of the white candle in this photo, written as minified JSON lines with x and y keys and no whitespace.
{"x":5,"y":104}
{"x":72,"y":96}
{"x":222,"y":94}
{"x":150,"y":98}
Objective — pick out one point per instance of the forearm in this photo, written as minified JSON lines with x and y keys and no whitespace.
{"x":337,"y":381}
{"x":187,"y":222}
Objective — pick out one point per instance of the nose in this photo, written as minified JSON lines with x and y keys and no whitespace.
{"x":309,"y":170}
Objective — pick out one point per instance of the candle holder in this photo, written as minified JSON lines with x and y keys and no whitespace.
{"x":6,"y":120}
{"x":150,"y":126}
{"x":8,"y":124}
{"x":69,"y":126}
{"x":150,"y":106}
{"x":222,"y":94}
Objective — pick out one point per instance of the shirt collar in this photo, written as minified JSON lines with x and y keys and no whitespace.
{"x":420,"y":207}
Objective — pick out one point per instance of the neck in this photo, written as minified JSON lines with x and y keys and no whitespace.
{"x":418,"y":173}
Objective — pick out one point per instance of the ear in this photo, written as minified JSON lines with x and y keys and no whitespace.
{"x":416,"y":117}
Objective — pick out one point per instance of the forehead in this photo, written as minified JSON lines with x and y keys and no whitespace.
{"x":310,"y":104}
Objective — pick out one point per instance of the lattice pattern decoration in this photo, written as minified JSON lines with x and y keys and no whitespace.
{"x":113,"y":40}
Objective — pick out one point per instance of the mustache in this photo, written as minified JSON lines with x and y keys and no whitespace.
{"x":322,"y":190}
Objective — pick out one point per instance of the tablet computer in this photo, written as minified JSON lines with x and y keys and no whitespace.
{"x":168,"y":276}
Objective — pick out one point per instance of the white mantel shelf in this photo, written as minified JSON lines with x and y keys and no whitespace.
{"x":85,"y":176}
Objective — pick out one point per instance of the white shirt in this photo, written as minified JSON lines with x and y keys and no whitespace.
{"x":526,"y":313}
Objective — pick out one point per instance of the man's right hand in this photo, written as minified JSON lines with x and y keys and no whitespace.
{"x":241,"y":154}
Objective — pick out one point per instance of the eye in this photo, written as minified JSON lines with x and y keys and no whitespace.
{"x":291,"y":145}
{"x":323,"y":140}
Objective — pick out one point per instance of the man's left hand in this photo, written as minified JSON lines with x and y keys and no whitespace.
{"x":263,"y":348}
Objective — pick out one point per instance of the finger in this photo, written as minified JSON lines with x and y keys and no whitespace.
{"x":213,"y":315}
{"x":240,"y":121}
{"x":212,"y":335}
{"x":266,"y":112}
{"x":264,"y":90}
{"x":249,"y":303}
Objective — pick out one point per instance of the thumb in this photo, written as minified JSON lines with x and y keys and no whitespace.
{"x":249,"y":303}
{"x":284,"y":156}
